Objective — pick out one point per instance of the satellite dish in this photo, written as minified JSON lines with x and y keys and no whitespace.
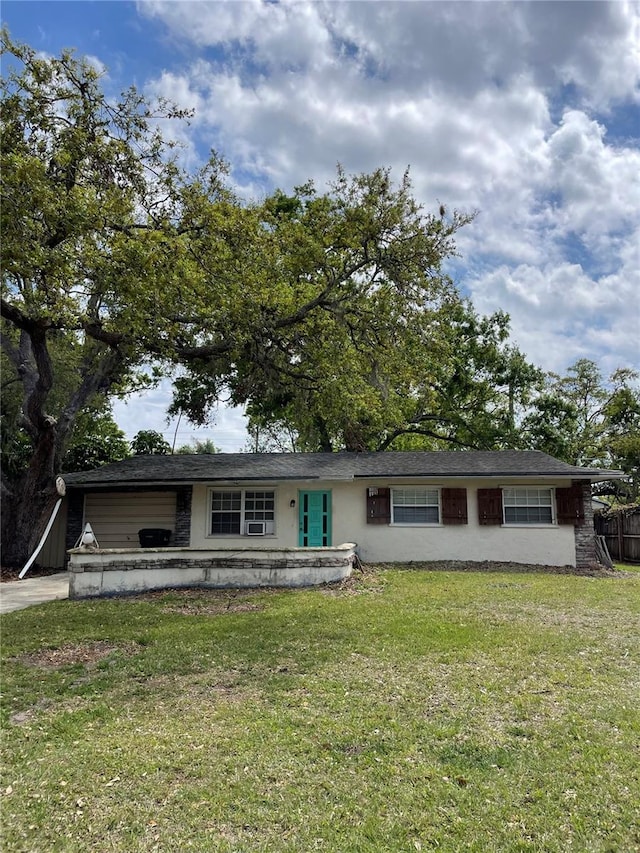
{"x":61,"y":487}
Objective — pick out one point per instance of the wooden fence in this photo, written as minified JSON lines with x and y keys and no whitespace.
{"x":621,"y":531}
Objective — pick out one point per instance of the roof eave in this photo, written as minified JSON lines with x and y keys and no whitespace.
{"x":601,"y":475}
{"x":594,"y":475}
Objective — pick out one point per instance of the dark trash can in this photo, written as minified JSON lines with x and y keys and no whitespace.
{"x":154,"y":537}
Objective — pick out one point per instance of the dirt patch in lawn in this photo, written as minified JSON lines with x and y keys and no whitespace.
{"x":594,"y":571}
{"x":84,"y":653}
{"x":200,"y":601}
{"x":216,"y":609}
{"x":363,"y":581}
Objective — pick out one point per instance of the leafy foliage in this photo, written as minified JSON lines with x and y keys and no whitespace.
{"x":357,"y":338}
{"x":96,"y":440}
{"x":205,"y":446}
{"x":586,"y":420}
{"x":86,"y":188}
{"x":325,"y":304}
{"x":148,"y":441}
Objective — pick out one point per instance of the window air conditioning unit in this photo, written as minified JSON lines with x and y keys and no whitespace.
{"x":255,"y":528}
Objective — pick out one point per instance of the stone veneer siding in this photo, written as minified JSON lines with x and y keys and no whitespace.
{"x":182,"y":532}
{"x":121,"y":564}
{"x":585,"y":534}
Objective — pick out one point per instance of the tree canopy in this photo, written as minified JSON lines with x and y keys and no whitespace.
{"x":587,"y":420}
{"x":382,"y":347}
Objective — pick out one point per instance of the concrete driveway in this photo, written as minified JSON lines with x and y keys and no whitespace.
{"x":16,"y":595}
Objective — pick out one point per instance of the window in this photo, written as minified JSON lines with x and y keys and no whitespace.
{"x":231,"y":510}
{"x":527,"y":506}
{"x":415,"y":506}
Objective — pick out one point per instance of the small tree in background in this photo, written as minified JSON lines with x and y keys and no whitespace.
{"x":204,"y":446}
{"x":149,"y":442}
{"x":97,"y":440}
{"x":585,"y":420}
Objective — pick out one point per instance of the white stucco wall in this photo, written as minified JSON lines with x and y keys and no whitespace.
{"x":541,"y":545}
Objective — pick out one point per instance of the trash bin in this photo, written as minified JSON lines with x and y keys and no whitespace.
{"x":154,"y":537}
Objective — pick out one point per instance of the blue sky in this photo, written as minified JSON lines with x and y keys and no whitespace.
{"x":526,"y":112}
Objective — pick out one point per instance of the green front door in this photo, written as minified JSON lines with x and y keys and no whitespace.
{"x":314,"y":519}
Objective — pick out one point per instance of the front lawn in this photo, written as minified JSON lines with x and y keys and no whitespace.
{"x":403,"y":711}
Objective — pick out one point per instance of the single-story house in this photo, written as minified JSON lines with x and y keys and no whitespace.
{"x":300,"y":518}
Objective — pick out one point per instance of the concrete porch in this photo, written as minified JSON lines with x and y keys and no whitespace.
{"x":117,"y":571}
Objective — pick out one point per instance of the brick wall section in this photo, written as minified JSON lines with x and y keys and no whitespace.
{"x":182,"y":533}
{"x":123,"y":565}
{"x":585,"y":534}
{"x":75,"y":514}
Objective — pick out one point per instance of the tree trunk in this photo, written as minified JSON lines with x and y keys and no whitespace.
{"x":324,"y":441}
{"x":26,"y":511}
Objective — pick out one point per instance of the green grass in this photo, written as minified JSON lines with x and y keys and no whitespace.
{"x":404,"y":711}
{"x":628,"y":567}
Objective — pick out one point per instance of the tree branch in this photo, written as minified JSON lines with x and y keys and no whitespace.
{"x":97,"y":333}
{"x":95,"y":379}
{"x":14,"y":315}
{"x":10,"y":350}
{"x":205,"y":351}
{"x":37,"y":396}
{"x":419,"y":431}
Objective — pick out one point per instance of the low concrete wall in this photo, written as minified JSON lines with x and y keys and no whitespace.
{"x":112,"y":571}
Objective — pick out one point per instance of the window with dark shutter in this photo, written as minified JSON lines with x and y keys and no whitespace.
{"x":570,"y":506}
{"x":454,"y":506}
{"x":527,"y":505}
{"x":378,"y":505}
{"x":415,"y":505}
{"x":490,"y":506}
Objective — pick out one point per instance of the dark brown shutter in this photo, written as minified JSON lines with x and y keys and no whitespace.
{"x":490,"y":506}
{"x":378,"y":506}
{"x":570,"y":506}
{"x":454,"y":506}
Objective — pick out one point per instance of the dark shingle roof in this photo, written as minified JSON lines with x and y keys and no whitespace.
{"x":139,"y":470}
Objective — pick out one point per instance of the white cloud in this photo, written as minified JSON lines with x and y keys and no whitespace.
{"x":599,"y":184}
{"x":455,"y":46}
{"x":491,"y":104}
{"x":285,"y":33}
{"x":560,"y":313}
{"x":603,"y":61}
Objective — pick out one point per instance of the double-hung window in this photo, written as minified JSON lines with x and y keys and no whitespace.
{"x":415,"y":505}
{"x":232,"y":509}
{"x":528,"y":506}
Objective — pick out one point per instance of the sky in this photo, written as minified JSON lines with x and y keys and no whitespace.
{"x":527,"y":112}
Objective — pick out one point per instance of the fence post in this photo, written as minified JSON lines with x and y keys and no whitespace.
{"x":620,"y":520}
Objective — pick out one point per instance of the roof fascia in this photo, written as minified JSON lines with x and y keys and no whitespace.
{"x":595,"y":476}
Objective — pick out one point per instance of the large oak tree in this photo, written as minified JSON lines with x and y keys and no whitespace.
{"x":92,"y":252}
{"x":116,"y":264}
